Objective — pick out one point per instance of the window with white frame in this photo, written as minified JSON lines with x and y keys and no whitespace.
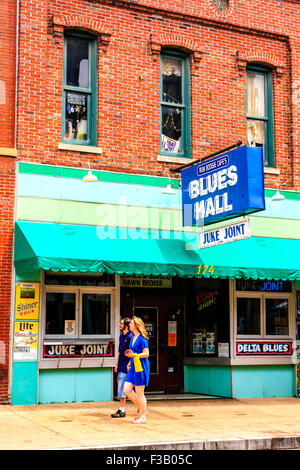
{"x":263,"y":308}
{"x":78,"y":307}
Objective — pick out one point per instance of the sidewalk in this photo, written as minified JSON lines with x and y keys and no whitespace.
{"x":262,"y":423}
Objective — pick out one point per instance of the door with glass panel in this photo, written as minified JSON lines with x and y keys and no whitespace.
{"x":163,"y":322}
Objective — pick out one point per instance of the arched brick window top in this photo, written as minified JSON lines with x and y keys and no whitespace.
{"x":176,"y":41}
{"x":262,"y":58}
{"x":63,"y":22}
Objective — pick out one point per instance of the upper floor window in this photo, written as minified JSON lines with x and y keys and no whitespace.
{"x":79,"y":89}
{"x":175,"y":105}
{"x":260,"y":132}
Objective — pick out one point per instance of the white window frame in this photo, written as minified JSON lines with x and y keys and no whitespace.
{"x":79,"y":291}
{"x":263,"y":296}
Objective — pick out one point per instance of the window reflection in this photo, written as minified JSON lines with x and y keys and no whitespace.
{"x":248,"y":316}
{"x":95,"y":314}
{"x":59,"y":308}
{"x":171,"y":129}
{"x":77,"y":62}
{"x":76,"y":116}
{"x":172,"y":80}
{"x":277,"y":317}
{"x":171,"y":115}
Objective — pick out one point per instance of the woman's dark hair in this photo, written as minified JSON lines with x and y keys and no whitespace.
{"x":126,"y":321}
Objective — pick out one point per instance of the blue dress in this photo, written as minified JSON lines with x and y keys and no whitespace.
{"x":139,"y":378}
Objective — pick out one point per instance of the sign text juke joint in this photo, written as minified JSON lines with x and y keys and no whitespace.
{"x":77,"y":350}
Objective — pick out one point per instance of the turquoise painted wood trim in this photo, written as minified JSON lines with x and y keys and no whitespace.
{"x":99,"y":192}
{"x":264,"y":381}
{"x":103,"y":215}
{"x":109,"y":215}
{"x":208,"y":380}
{"x":71,"y":189}
{"x":75,"y":385}
{"x":24,"y":383}
{"x":79,"y":173}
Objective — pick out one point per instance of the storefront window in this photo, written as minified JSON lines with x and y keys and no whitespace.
{"x":277,"y":317}
{"x":95,"y":314}
{"x":78,"y":306}
{"x":248,"y":316}
{"x":208,"y":318}
{"x":59,"y":309}
{"x":262,"y":307}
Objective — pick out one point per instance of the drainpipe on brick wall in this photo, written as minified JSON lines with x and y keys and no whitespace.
{"x":17,"y":71}
{"x":13,"y":279}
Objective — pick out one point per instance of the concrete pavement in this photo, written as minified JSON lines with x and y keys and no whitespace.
{"x":262,"y":423}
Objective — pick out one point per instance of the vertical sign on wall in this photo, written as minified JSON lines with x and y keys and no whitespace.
{"x":27,"y":301}
{"x":26,"y":340}
{"x":26,"y":327}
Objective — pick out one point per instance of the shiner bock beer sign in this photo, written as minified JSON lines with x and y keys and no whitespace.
{"x":223,"y":187}
{"x":27,"y":301}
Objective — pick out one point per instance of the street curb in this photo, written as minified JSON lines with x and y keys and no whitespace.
{"x":265,"y":443}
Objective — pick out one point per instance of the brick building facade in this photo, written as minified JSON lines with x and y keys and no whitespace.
{"x":7,"y":179}
{"x":130,"y":37}
{"x":220,"y":39}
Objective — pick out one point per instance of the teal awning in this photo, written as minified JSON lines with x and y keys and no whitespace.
{"x":80,"y":248}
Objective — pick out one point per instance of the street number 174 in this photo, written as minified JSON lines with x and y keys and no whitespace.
{"x":202,"y":270}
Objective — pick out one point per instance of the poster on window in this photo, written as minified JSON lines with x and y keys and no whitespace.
{"x":27,"y":301}
{"x":172,"y":333}
{"x":197,"y":343}
{"x":25,"y":341}
{"x":169,"y":145}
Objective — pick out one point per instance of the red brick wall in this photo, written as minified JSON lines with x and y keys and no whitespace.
{"x":7,"y":198}
{"x":7,"y":72}
{"x":128,"y":104}
{"x":7,"y":179}
{"x":220,"y":45}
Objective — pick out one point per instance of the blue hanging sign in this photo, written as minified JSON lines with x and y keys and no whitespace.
{"x":223,"y":187}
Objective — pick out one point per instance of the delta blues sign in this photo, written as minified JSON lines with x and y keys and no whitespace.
{"x":223,"y":187}
{"x":249,"y":348}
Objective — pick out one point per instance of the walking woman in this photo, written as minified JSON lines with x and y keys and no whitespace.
{"x":139,"y":372}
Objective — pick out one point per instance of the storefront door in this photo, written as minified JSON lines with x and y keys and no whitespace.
{"x":163,"y":319}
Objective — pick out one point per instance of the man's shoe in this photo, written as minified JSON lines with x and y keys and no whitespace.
{"x":119,"y":414}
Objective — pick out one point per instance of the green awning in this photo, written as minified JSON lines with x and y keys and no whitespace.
{"x":80,"y":248}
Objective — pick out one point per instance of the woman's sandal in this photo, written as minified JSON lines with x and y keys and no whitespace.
{"x":138,"y":416}
{"x":139,"y":421}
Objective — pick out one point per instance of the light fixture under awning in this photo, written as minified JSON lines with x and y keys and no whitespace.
{"x":82,"y":248}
